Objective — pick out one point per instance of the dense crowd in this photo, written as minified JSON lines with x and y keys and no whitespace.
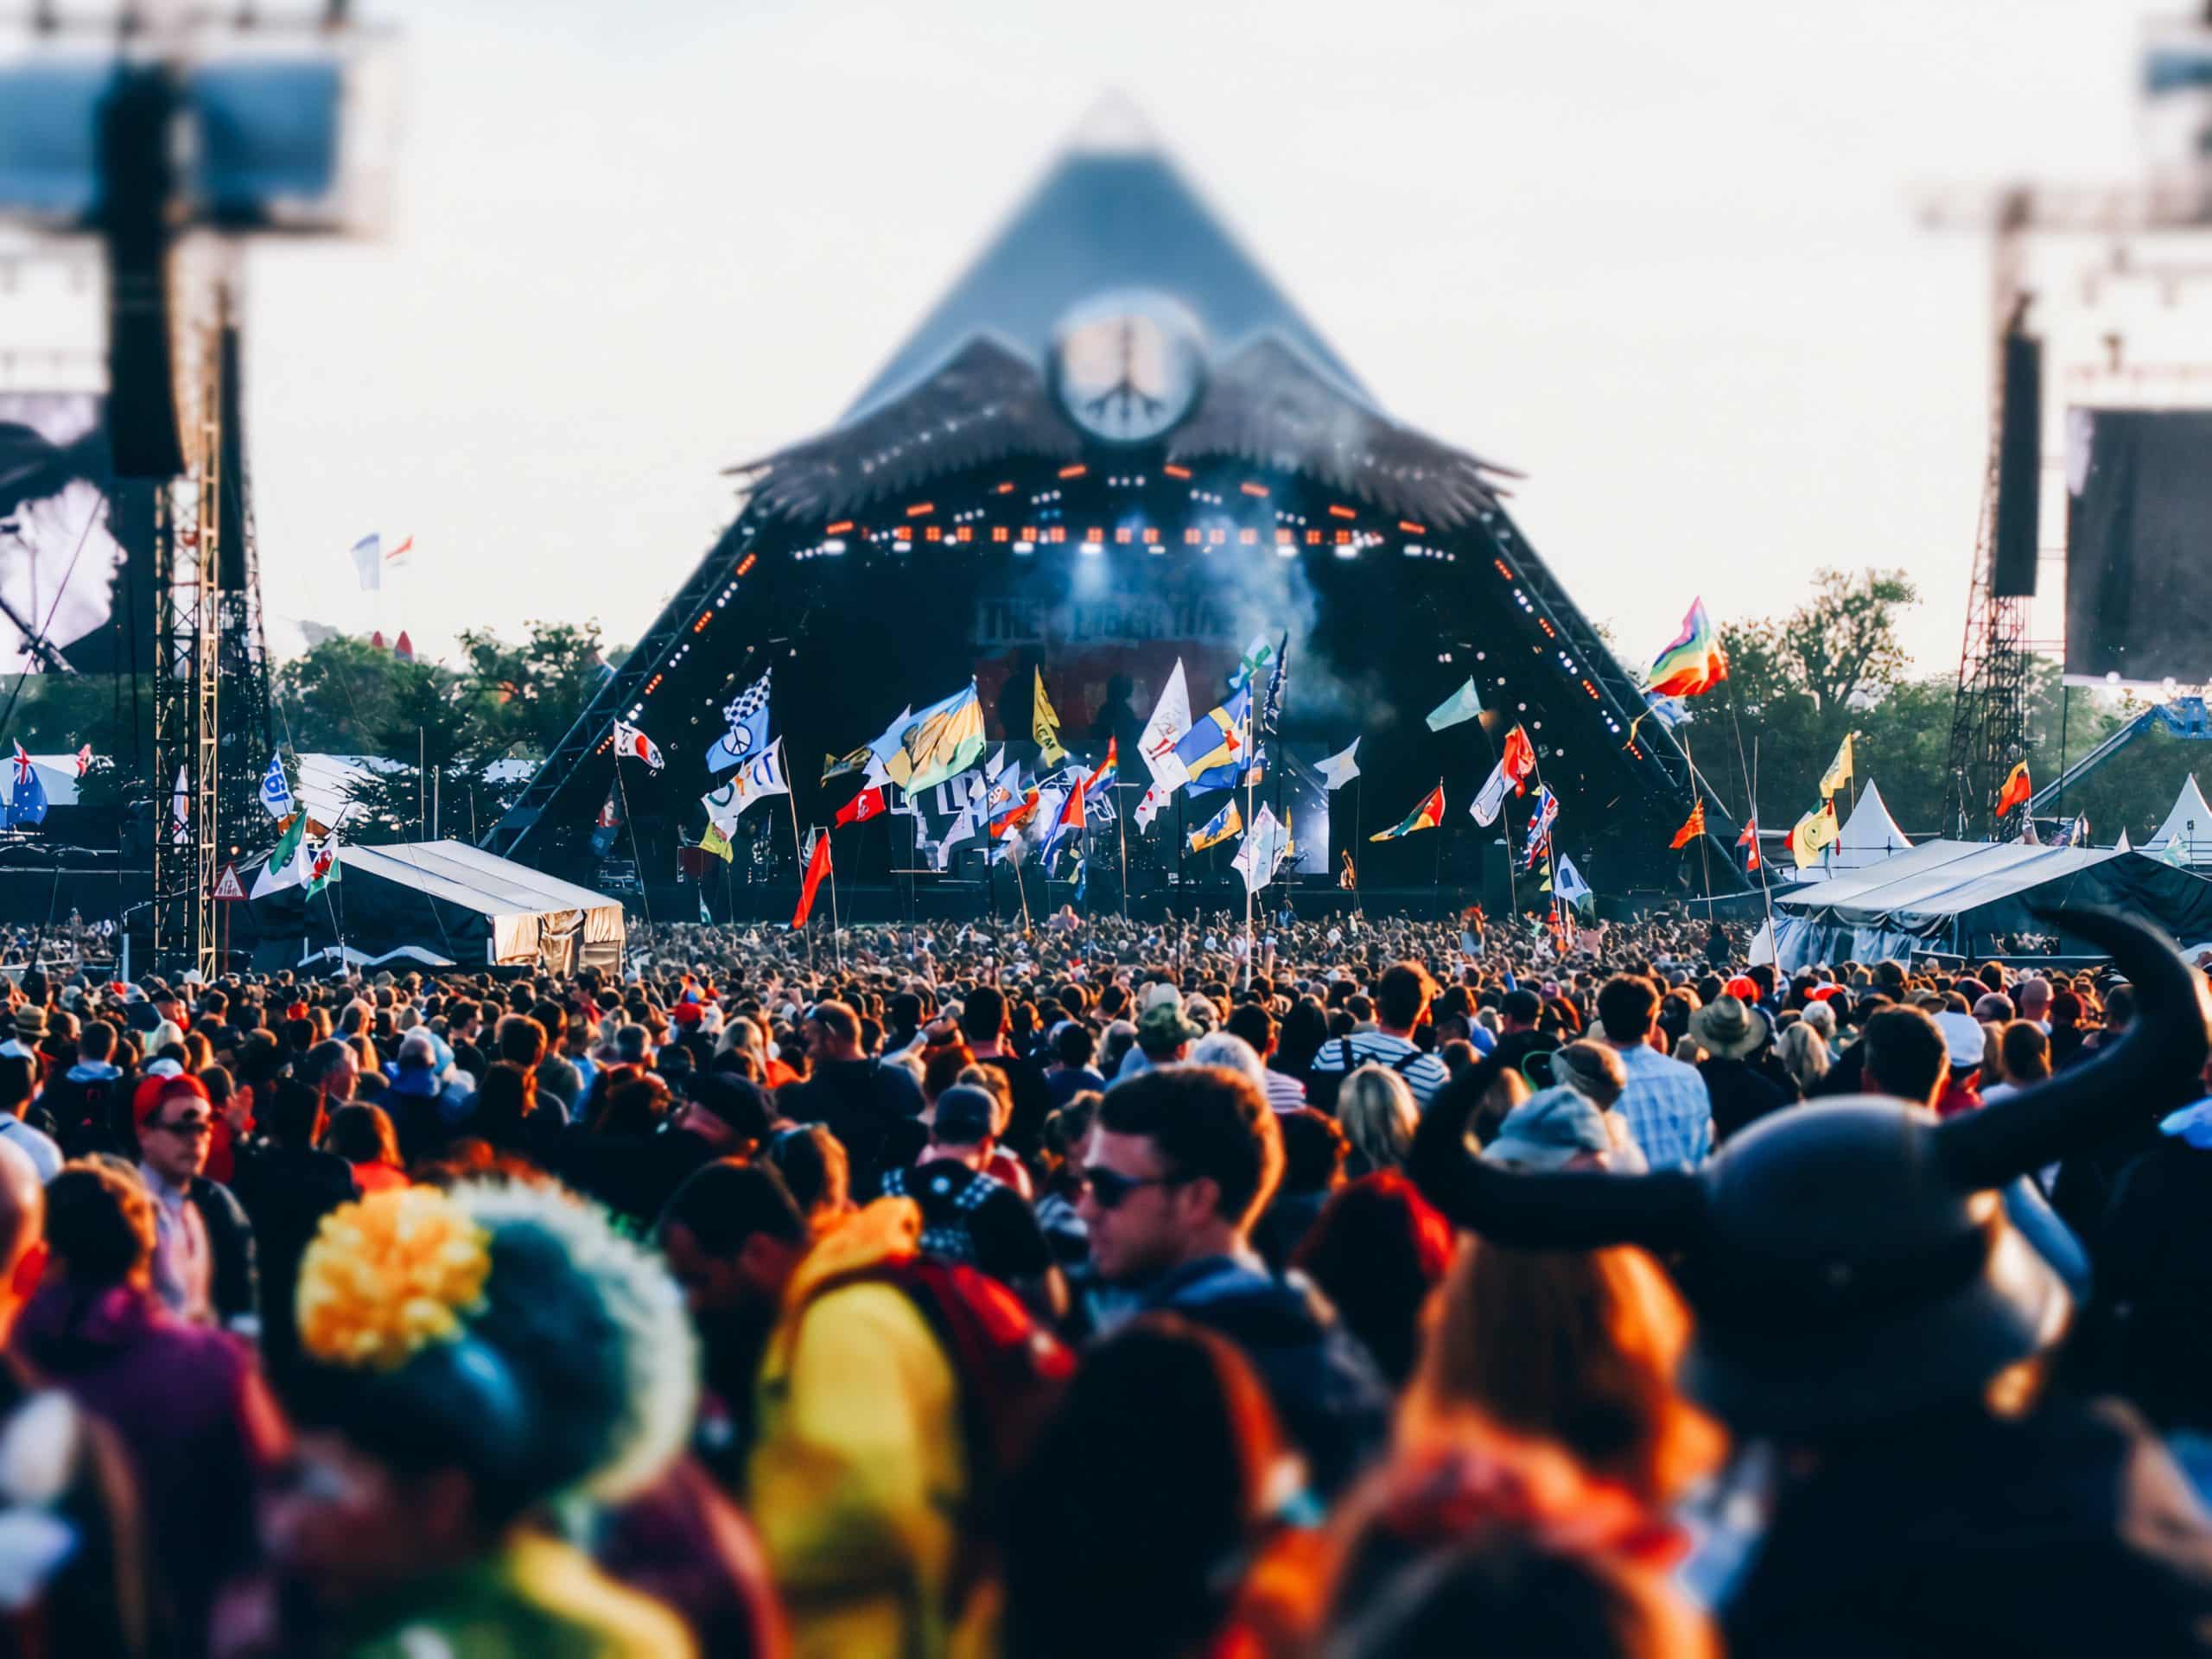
{"x":1378,"y":1287}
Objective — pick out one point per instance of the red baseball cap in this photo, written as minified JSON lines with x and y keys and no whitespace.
{"x":147,"y":1099}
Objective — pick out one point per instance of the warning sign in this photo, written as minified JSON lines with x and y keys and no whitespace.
{"x":228,"y":885}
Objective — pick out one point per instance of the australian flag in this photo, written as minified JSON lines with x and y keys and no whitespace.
{"x":26,"y":805}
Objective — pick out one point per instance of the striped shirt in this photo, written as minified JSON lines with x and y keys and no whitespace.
{"x":1424,"y":1073}
{"x":1285,"y":1092}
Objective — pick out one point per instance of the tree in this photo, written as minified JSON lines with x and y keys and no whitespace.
{"x":337,"y":696}
{"x":527,"y":696}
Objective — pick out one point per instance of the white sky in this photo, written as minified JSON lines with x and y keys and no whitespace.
{"x":1664,"y":258}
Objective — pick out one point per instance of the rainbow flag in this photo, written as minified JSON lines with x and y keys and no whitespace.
{"x":1693,"y":663}
{"x":1427,"y":816}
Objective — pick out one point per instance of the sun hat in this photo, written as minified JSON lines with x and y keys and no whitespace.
{"x":1162,"y":1026}
{"x":1727,"y":1030}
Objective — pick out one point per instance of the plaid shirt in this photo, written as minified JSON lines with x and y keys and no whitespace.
{"x":1668,"y":1108}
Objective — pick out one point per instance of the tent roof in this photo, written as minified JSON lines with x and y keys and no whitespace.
{"x":1111,"y":212}
{"x":1870,"y":828}
{"x":2189,"y":809}
{"x":470,"y":877}
{"x":1941,"y":880}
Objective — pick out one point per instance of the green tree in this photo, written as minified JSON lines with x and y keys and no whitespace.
{"x":527,"y":696}
{"x":337,"y":696}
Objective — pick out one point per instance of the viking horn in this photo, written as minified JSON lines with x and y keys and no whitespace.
{"x":1563,"y":1209}
{"x":2152,"y":1068}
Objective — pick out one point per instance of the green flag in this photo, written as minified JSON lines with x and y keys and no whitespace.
{"x":1461,"y":705}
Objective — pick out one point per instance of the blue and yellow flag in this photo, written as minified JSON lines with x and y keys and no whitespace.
{"x":942,"y":741}
{"x":1215,"y":750}
{"x":1224,"y":824}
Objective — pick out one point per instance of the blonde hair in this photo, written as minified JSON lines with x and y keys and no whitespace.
{"x":1379,"y":1116}
{"x":1805,"y":1053}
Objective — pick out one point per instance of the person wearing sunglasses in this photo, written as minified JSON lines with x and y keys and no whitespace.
{"x":1180,"y":1163}
{"x":203,"y":1265}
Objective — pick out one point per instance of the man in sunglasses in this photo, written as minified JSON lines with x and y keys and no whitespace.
{"x":1179,"y":1163}
{"x":203,"y":1244}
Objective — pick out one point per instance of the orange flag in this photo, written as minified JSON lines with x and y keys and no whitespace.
{"x":2015,"y":790}
{"x":817,"y":868}
{"x":1692,"y":827}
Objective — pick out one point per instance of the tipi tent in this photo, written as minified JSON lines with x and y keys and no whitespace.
{"x":2189,"y":824}
{"x":1870,"y":835}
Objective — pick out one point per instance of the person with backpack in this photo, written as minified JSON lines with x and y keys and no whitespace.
{"x":893,"y":1394}
{"x":1402,"y":998}
{"x":81,"y":1101}
{"x":860,"y":1097}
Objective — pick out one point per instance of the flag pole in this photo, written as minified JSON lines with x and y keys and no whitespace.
{"x":1122,"y":829}
{"x":837,"y":928}
{"x":1764,"y":890}
{"x":1704,"y":855}
{"x":645,"y":897}
{"x":1358,"y":830}
{"x":1436,"y":879}
{"x":1247,"y":883}
{"x":1022,"y":889}
{"x":799,"y":854}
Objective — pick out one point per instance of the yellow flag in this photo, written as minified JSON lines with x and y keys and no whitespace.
{"x":717,"y":843}
{"x":1046,"y":726}
{"x":1813,"y":832}
{"x":1839,"y":772}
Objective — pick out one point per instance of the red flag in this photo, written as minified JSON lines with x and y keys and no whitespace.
{"x":817,"y":866}
{"x":1750,"y":838}
{"x":1692,"y":827}
{"x":1519,"y":759}
{"x":1015,"y":814}
{"x":869,"y":804}
{"x":2015,"y":790}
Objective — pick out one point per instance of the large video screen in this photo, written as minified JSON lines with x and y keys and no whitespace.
{"x":61,"y":559}
{"x":2139,"y":534}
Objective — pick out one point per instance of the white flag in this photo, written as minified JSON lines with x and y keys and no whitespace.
{"x":179,"y":812}
{"x":1148,"y":808}
{"x":630,"y":743}
{"x":1485,"y":806}
{"x":368,"y":559}
{"x":1340,"y":769}
{"x":276,"y":793}
{"x":1169,"y":725}
{"x":1262,"y":855}
{"x":758,"y":778}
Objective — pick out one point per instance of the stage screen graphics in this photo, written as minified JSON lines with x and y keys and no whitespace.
{"x":2138,"y":565}
{"x":61,"y":560}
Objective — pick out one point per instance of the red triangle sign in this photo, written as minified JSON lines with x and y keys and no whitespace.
{"x":228,"y":887}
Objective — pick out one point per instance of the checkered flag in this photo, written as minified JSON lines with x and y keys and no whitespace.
{"x":748,"y":715}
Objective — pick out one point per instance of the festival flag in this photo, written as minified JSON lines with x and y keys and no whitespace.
{"x":1045,"y":725}
{"x":1693,"y":663}
{"x":1271,"y":707}
{"x":180,"y":811}
{"x":1515,"y":762}
{"x":368,"y":562}
{"x":761,"y":776}
{"x":869,"y":804}
{"x":817,"y":866}
{"x":2016,"y":789}
{"x":1541,"y":820}
{"x":1149,"y":806}
{"x":1461,"y":706}
{"x":1340,"y":768}
{"x":747,"y":716}
{"x":1839,"y":772}
{"x":1169,"y":725}
{"x":944,"y":740}
{"x":318,"y":865}
{"x":276,"y":871}
{"x":1692,"y":827}
{"x":1212,"y":754}
{"x":838,"y":765}
{"x":398,"y":559}
{"x":632,"y":744}
{"x":1813,"y":832}
{"x":1019,"y":814}
{"x":1257,"y":657}
{"x":1347,"y":877}
{"x":276,"y":793}
{"x":1261,"y":856}
{"x":2172,"y":853}
{"x":1749,"y":841}
{"x":1069,"y":821}
{"x":84,"y":759}
{"x":1427,"y":816}
{"x":716,"y":843}
{"x":1218,"y":828}
{"x":1571,"y":887}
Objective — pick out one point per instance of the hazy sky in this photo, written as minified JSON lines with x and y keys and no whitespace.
{"x":1662,"y":258}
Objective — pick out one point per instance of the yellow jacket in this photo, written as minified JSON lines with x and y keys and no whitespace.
{"x":858,"y":1473}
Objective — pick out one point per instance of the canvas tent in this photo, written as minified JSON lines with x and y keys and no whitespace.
{"x":1961,"y":897}
{"x":2188,"y":825}
{"x":1869,"y":835}
{"x":456,"y":900}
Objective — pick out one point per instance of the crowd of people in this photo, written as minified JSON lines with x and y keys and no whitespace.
{"x":1379,"y":1287}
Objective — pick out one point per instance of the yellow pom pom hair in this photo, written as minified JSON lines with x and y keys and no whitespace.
{"x":388,"y":1276}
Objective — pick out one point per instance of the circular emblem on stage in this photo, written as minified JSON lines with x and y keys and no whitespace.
{"x":1127,"y":367}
